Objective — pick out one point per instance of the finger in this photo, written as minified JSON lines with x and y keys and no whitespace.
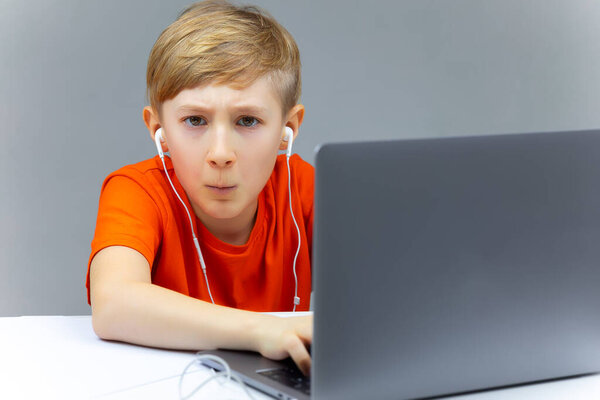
{"x":298,"y":352}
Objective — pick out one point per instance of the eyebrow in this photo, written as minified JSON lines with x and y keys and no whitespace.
{"x":241,"y":109}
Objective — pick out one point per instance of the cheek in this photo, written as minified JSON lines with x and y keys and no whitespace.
{"x":187,"y":165}
{"x":254,"y":157}
{"x":258,"y":166}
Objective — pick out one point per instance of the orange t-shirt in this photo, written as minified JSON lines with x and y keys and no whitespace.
{"x":138,"y":209}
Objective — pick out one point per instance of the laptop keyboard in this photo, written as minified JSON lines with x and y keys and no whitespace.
{"x":291,"y":377}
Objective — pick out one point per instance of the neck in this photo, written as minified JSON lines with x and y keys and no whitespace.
{"x":235,"y":231}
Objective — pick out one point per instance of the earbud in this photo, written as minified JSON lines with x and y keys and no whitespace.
{"x":289,"y":138}
{"x":157,"y":139}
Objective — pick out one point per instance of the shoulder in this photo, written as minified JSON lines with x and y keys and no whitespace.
{"x":135,"y":186}
{"x":145,"y":174}
{"x":302,"y":181}
{"x":301,"y":171}
{"x":140,"y":171}
{"x":303,"y":167}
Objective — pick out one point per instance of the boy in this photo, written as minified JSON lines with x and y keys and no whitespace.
{"x":223,"y":83}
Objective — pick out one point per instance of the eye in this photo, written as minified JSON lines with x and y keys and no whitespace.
{"x":194,"y":120}
{"x":248,"y":122}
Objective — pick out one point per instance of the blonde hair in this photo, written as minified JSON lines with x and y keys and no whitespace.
{"x":215,"y":42}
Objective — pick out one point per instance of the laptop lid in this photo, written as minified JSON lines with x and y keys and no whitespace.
{"x":454,"y":264}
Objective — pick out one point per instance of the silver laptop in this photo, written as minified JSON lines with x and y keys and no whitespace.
{"x":449,"y":265}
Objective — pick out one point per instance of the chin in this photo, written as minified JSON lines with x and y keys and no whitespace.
{"x":222,"y":212}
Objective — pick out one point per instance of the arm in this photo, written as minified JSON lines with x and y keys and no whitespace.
{"x":126,"y":306}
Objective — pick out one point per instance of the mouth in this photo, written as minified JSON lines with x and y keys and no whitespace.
{"x":221,"y":190}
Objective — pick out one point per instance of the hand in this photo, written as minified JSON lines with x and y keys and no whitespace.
{"x":278,"y":338}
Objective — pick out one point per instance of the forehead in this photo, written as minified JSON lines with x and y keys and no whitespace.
{"x":260,"y":94}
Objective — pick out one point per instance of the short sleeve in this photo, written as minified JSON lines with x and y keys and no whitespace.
{"x":127,"y":216}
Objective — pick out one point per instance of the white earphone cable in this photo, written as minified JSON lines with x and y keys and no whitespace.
{"x":226,"y":372}
{"x":199,"y":357}
{"x":296,"y":298}
{"x":202,"y":264}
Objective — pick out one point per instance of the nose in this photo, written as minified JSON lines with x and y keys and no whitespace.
{"x":221,"y":153}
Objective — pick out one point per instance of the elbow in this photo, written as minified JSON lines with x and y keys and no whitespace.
{"x":100,"y":325}
{"x":104,"y":317}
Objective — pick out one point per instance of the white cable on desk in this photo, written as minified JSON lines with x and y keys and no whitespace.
{"x":227,"y":373}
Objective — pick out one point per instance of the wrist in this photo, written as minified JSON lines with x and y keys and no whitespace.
{"x":256,"y":330}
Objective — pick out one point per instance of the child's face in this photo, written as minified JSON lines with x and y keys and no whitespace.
{"x":223,"y":143}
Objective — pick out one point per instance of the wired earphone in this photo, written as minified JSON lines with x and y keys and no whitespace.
{"x":289,"y":138}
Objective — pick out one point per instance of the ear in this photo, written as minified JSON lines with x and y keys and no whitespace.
{"x":152,"y":122}
{"x":293,"y":119}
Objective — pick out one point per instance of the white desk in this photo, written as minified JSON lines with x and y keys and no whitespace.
{"x":62,"y":358}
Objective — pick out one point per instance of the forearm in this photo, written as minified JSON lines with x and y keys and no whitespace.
{"x":147,"y":314}
{"x":126,"y":306}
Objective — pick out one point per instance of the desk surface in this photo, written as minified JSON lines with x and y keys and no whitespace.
{"x":61,"y":357}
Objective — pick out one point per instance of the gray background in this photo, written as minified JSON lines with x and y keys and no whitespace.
{"x":72,"y":87}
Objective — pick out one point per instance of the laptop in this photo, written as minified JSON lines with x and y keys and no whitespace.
{"x":449,"y":265}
